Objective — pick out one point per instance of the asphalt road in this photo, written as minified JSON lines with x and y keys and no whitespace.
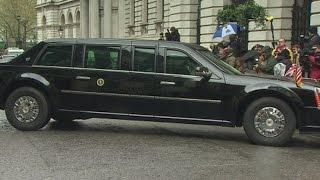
{"x":113,"y":149}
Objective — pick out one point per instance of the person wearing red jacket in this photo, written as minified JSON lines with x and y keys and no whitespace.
{"x":315,"y":64}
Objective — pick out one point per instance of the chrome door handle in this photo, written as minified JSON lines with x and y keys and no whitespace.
{"x":167,"y":83}
{"x":83,"y":78}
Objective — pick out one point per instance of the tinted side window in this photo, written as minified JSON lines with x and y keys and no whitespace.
{"x":126,"y":58}
{"x":56,"y":56}
{"x":144,"y":59}
{"x":30,"y":55}
{"x":100,"y":57}
{"x":179,"y":63}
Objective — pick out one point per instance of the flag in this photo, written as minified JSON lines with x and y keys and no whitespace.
{"x":291,"y":70}
{"x":298,"y":76}
{"x":295,"y":71}
{"x":317,"y":97}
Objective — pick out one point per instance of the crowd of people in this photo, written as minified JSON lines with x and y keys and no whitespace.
{"x":277,"y":61}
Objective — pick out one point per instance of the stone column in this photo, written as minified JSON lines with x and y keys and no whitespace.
{"x":107,"y":11}
{"x":94,"y":19}
{"x":160,"y":10}
{"x":84,"y":18}
{"x":122,"y":19}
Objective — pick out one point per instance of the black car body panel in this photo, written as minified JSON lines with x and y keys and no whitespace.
{"x":155,"y":95}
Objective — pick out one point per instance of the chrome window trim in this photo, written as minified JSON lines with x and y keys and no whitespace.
{"x":216,"y":101}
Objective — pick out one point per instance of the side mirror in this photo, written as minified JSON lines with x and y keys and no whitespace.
{"x":203,"y":72}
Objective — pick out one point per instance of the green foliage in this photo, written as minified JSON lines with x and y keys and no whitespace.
{"x":242,"y":13}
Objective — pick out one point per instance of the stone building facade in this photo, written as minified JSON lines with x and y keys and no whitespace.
{"x":196,"y":20}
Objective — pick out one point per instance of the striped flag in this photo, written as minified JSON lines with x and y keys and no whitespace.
{"x":298,"y":76}
{"x":291,"y":70}
{"x":295,"y":71}
{"x":317,"y":96}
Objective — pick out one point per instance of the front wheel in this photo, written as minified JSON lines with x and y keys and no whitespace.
{"x":27,"y":109}
{"x":269,"y":121}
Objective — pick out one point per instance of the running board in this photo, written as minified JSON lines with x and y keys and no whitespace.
{"x":309,"y":130}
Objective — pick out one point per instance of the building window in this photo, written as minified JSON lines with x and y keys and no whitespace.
{"x":62,"y":23}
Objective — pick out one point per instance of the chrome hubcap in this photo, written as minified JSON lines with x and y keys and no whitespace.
{"x":269,"y":122}
{"x":26,"y":109}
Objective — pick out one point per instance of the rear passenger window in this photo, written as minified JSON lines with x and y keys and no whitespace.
{"x":126,"y":58}
{"x":100,"y":57}
{"x":144,"y":59}
{"x":179,"y":63}
{"x":56,"y":56}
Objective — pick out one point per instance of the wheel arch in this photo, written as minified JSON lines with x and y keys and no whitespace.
{"x":285,"y":95}
{"x":30,"y":80}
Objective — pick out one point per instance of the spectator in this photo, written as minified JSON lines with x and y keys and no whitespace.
{"x":283,"y":63}
{"x":175,"y":34}
{"x":314,"y":37}
{"x":168,"y":35}
{"x":266,"y":61}
{"x":161,"y":37}
{"x":315,"y":64}
{"x":226,"y":54}
{"x":239,"y":64}
{"x":296,"y":53}
{"x":282,"y":46}
{"x":235,"y":44}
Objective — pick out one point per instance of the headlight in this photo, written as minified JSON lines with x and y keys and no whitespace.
{"x":317,"y":97}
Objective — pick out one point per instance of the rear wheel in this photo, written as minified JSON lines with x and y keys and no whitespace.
{"x":27,"y":109}
{"x":269,"y":121}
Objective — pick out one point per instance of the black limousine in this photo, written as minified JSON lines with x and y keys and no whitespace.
{"x":68,"y":79}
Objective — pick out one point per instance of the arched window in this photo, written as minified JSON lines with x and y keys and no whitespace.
{"x":78,"y":23}
{"x":44,"y":21}
{"x":62,"y":24}
{"x":70,"y":23}
{"x":62,"y":20}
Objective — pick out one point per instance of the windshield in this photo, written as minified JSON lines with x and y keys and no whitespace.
{"x":225,"y":67}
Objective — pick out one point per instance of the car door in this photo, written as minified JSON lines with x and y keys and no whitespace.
{"x":100,"y":84}
{"x":142,"y":78}
{"x":55,"y":65}
{"x":180,"y":93}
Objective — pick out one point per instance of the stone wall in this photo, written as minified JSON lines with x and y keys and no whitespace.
{"x":147,"y":18}
{"x":281,"y":10}
{"x":315,"y":13}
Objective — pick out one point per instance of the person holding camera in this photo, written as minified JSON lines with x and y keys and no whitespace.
{"x":313,"y":39}
{"x":315,"y":63}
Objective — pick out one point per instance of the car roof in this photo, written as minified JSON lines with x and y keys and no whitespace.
{"x":109,"y":40}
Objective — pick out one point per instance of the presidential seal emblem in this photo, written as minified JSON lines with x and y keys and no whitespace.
{"x":100,"y":82}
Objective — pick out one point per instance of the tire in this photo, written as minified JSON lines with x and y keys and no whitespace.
{"x":28,"y":124}
{"x":254,"y":128}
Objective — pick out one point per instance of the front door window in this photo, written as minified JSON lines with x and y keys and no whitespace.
{"x":179,"y":63}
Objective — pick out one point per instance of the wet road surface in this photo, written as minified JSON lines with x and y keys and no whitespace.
{"x":114,"y":149}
